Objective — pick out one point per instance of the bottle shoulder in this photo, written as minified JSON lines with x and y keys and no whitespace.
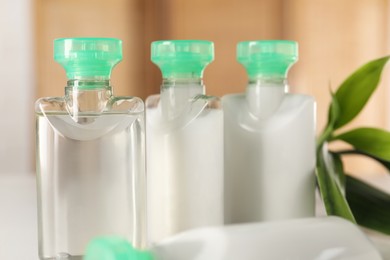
{"x":211,"y":102}
{"x":114,"y":104}
{"x":242,"y":96}
{"x":166,"y":116}
{"x":86,"y":127}
{"x":125,"y":104}
{"x":152,"y":101}
{"x":291,"y":108}
{"x":291,"y":100}
{"x":50,"y":104}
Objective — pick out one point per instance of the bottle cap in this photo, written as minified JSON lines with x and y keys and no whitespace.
{"x":267,"y":58}
{"x":182,"y":58}
{"x":87,"y":57}
{"x":114,"y":248}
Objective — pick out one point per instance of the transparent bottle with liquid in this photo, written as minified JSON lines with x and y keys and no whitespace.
{"x":184,"y":130}
{"x":89,"y":154}
{"x":269,"y":139}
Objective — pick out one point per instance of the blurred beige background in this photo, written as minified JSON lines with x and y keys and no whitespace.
{"x":335,"y":38}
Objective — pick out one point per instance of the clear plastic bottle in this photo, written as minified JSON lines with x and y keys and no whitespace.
{"x":90,"y":154}
{"x":269,"y":139}
{"x":184,"y":130}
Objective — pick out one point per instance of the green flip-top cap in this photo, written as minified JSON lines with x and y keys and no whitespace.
{"x":114,"y":248}
{"x":88,"y":57}
{"x":182,"y":58}
{"x":267,"y":58}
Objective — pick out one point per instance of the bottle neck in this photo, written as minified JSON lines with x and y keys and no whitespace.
{"x":86,"y":97}
{"x":193,"y":84}
{"x":264,"y":95}
{"x":177,"y":93}
{"x":89,"y":83}
{"x":265,"y":81}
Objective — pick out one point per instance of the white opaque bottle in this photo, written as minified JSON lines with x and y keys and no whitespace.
{"x":90,"y":154}
{"x":184,"y":130}
{"x":269,"y":139}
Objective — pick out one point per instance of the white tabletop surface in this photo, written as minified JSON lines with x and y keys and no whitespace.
{"x":18,"y":219}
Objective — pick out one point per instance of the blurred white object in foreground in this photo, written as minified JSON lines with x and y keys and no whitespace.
{"x":312,"y":238}
{"x":325,"y":238}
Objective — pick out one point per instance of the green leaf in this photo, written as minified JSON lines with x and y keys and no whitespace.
{"x":334,"y":111}
{"x":356,"y":90}
{"x":357,"y":152}
{"x":331,"y":187}
{"x":339,"y":170}
{"x":370,"y":206}
{"x":372,"y":141}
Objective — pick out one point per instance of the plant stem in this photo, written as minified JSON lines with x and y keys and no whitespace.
{"x":325,"y":136}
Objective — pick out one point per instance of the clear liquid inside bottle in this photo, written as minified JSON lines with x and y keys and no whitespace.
{"x":90,"y":170}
